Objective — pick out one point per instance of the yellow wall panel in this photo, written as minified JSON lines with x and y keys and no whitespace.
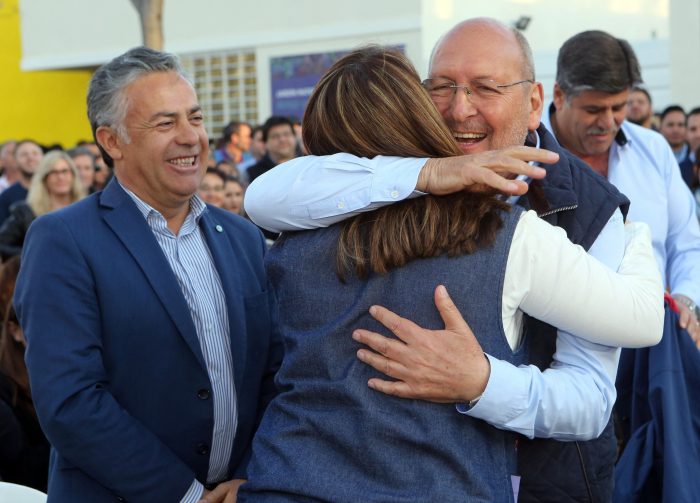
{"x":48,"y":106}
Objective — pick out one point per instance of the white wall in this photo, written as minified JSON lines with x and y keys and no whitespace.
{"x":685,"y":53}
{"x":65,"y":33}
{"x":74,"y":33}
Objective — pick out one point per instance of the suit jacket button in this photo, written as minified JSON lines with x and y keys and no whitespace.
{"x":202,"y":449}
{"x":203,"y":394}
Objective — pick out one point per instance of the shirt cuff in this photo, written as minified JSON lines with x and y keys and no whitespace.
{"x":194,"y":493}
{"x":505,"y":396}
{"x":397,"y":179}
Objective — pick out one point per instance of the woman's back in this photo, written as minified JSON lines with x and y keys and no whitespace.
{"x":327,"y":435}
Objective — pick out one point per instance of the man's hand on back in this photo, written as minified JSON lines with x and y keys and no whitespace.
{"x":444,"y":366}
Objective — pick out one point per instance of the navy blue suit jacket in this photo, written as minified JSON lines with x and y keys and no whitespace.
{"x":117,"y":373}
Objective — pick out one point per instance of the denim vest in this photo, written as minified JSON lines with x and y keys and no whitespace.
{"x":327,"y":436}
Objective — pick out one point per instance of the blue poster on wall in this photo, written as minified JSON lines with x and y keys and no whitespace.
{"x":293,"y":79}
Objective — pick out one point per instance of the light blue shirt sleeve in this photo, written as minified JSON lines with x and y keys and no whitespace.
{"x":571,"y":400}
{"x":318,"y":191}
{"x":683,"y":238}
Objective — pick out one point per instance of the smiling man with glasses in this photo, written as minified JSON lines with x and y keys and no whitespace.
{"x":482,"y":81}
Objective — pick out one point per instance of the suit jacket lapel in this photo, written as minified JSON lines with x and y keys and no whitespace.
{"x":226,"y":264}
{"x":130,"y":227}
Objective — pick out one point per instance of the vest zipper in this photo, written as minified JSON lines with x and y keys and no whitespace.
{"x":565,"y":208}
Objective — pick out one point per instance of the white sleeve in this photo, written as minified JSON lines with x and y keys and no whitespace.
{"x":559,"y":283}
{"x":310,"y":192}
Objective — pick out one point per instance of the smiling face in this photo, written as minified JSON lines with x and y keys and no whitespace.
{"x":485,"y":50}
{"x":165,"y":158}
{"x":588,"y":123}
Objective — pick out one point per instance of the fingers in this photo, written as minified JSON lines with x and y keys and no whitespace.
{"x":393,"y":388}
{"x":381,"y":363}
{"x":684,"y":318}
{"x":400,"y":327}
{"x":449,"y":312}
{"x":531,"y":154}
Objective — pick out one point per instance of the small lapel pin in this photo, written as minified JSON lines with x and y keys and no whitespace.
{"x":219,"y":228}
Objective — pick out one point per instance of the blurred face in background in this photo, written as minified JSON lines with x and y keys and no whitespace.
{"x":233,"y":197}
{"x":673,"y":129}
{"x":638,"y":108}
{"x":28,"y":156}
{"x":7,"y":156}
{"x":257,"y":146}
{"x":211,"y":190}
{"x":86,"y":170}
{"x":281,"y":143}
{"x":243,"y":138}
{"x":694,"y":131}
{"x":59,"y":179}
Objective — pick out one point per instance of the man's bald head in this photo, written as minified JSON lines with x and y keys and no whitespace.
{"x":464,"y":33}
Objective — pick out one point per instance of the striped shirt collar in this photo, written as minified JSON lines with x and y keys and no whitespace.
{"x":197,"y":206}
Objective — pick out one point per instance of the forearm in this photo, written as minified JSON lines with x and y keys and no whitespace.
{"x":311,"y":192}
{"x":595,"y":303}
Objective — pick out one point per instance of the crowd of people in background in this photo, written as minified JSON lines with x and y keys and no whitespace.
{"x":681,"y":130}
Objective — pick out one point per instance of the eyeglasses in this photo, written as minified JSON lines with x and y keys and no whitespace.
{"x":62,"y":172}
{"x":478,"y":90}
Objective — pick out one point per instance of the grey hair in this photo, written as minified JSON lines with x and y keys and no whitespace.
{"x":596,"y":61}
{"x":526,"y":50}
{"x":106,"y":102}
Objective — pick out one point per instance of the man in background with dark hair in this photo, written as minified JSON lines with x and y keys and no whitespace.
{"x":234,"y":143}
{"x":28,"y":155}
{"x":595,"y":72}
{"x":280,"y":142}
{"x":639,"y":109}
{"x":673,"y":127}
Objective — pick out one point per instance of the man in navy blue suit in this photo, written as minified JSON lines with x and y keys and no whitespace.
{"x":152,"y":339}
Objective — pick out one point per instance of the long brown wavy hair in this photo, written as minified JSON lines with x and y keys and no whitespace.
{"x":369,"y":103}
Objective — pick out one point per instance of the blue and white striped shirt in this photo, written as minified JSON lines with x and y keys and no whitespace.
{"x":191,"y":261}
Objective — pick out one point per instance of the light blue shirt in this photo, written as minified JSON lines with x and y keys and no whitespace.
{"x":191,"y":261}
{"x":642,"y":166}
{"x":572,"y":400}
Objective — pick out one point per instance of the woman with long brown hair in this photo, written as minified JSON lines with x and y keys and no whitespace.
{"x":327,"y":436}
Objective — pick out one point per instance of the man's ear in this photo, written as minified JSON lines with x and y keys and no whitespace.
{"x":109,"y":140}
{"x":559,"y":97}
{"x":536,"y":104}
